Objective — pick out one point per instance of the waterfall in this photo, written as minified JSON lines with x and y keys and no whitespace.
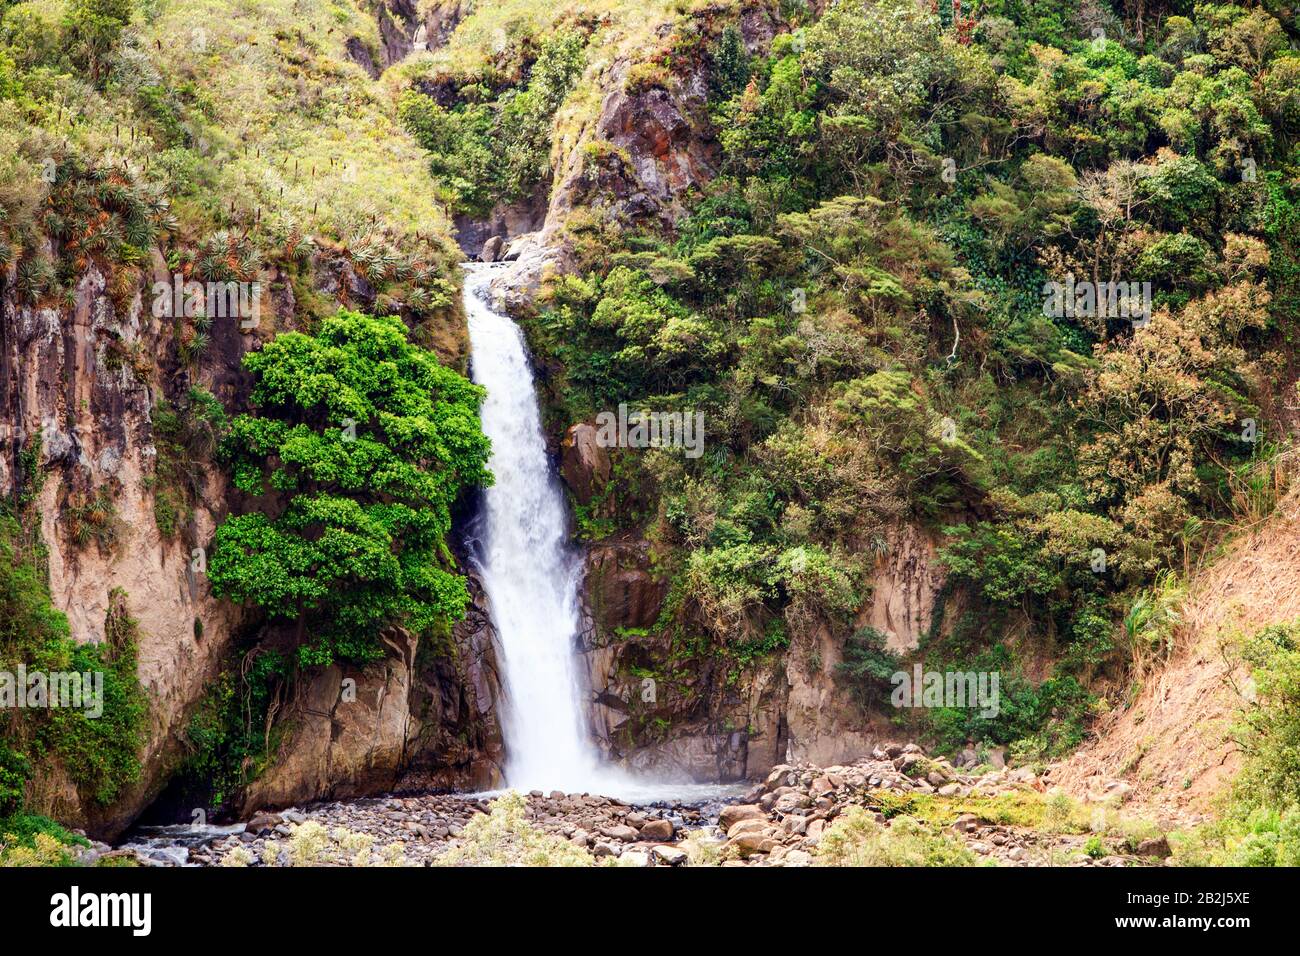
{"x":530,"y":573}
{"x":520,"y":547}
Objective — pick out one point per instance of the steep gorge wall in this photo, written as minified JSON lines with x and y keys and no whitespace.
{"x":709,"y":722}
{"x":66,"y":386}
{"x":92,"y":417}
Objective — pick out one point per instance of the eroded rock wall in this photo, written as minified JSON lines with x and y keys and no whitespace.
{"x":699,"y":718}
{"x":422,"y":718}
{"x":83,"y":380}
{"x":67,"y":385}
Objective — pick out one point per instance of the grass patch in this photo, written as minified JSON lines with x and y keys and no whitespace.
{"x":856,"y":839}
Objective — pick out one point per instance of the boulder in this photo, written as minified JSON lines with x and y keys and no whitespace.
{"x":749,"y":843}
{"x":262,"y":823}
{"x":657,"y":830}
{"x":791,"y":801}
{"x":668,"y":855}
{"x":732,"y":815}
{"x":747,"y":826}
{"x":584,"y":463}
{"x":491,"y":250}
{"x":1154,"y":846}
{"x":779,"y":777}
{"x":619,"y":832}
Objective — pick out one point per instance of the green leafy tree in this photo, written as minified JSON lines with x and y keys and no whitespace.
{"x":370,"y":441}
{"x":94,"y":27}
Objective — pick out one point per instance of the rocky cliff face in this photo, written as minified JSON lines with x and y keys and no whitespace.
{"x":423,"y":718}
{"x":631,"y":163}
{"x":67,"y":388}
{"x":81,"y":383}
{"x":709,"y":723}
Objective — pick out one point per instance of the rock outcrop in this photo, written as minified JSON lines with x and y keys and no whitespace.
{"x":632,"y":162}
{"x":904,"y":586}
{"x":81,"y":382}
{"x":414,"y":720}
{"x":708,"y":723}
{"x":584,"y":464}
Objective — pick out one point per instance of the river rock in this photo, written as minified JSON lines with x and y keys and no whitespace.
{"x":749,"y":843}
{"x":657,"y":830}
{"x":668,"y":855}
{"x":620,"y":832}
{"x":732,"y":815}
{"x":754,"y":825}
{"x":262,"y":822}
{"x":778,"y":777}
{"x":1154,"y":846}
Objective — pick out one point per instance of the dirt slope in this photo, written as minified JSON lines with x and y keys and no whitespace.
{"x":1172,"y":744}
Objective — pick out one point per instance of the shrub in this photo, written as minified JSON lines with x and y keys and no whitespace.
{"x":1260,"y":822}
{"x":1270,"y":731}
{"x":313,"y":844}
{"x":868,"y":666}
{"x":28,"y":839}
{"x":100,"y":755}
{"x":229,"y":741}
{"x":370,"y":441}
{"x":856,"y":839}
{"x":504,"y":837}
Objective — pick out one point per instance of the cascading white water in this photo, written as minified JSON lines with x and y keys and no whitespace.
{"x":529,"y":572}
{"x":532,"y":577}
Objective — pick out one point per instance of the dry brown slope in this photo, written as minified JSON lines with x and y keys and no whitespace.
{"x":1172,"y":745}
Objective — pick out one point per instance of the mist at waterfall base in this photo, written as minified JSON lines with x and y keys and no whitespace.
{"x":532,"y":576}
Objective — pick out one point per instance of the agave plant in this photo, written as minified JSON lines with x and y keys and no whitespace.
{"x":140,"y":230}
{"x":35,"y":276}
